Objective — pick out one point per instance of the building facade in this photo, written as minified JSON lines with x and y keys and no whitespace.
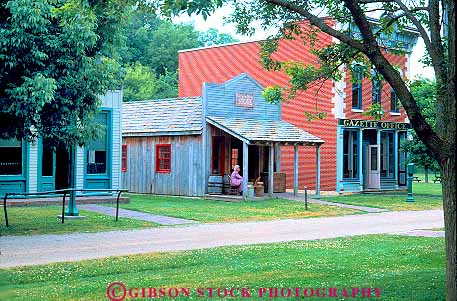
{"x":359,"y":153}
{"x":33,"y":166}
{"x":188,"y":146}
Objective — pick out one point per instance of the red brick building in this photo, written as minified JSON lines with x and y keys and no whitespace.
{"x":350,"y":146}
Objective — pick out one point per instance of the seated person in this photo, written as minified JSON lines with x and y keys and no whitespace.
{"x":236,"y":181}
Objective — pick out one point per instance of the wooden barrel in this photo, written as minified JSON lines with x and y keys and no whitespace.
{"x":259,"y":189}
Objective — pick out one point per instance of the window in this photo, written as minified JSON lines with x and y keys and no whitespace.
{"x":97,"y":150}
{"x":124,"y":158}
{"x":374,"y":158}
{"x":234,"y":160}
{"x":387,"y":154}
{"x":10,"y":157}
{"x":163,"y":158}
{"x":401,"y":159}
{"x":376,"y":87}
{"x":350,"y":154}
{"x":47,"y":160}
{"x":357,"y":91}
{"x":394,"y":102}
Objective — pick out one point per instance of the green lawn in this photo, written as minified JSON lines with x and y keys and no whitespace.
{"x":427,"y":196}
{"x":43,"y":220}
{"x":218,"y":211}
{"x":404,"y":268}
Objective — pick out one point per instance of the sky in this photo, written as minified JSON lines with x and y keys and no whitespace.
{"x":216,"y":21}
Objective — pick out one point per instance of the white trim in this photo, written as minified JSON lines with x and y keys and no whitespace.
{"x":356,"y":110}
{"x":395,"y":114}
{"x":221,"y":45}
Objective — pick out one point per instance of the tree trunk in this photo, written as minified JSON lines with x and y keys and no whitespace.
{"x":448,"y":175}
{"x":426,"y":174}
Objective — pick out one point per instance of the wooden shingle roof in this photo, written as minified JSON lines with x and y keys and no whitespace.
{"x":264,"y":131}
{"x":177,"y":116}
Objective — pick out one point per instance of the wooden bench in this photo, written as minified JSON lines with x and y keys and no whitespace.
{"x":224,"y":186}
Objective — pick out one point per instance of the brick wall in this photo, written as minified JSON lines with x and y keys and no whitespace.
{"x":221,"y":63}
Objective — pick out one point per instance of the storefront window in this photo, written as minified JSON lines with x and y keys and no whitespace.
{"x":387,"y":155}
{"x":10,"y":157}
{"x":97,"y":151}
{"x":350,"y":155}
{"x":357,"y":92}
{"x":401,"y":159}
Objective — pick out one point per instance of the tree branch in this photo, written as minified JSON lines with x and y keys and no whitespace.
{"x":420,"y":28}
{"x":436,"y":46}
{"x":421,"y":126}
{"x":318,"y":22}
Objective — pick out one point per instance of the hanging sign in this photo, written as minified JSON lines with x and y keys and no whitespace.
{"x":245,"y":100}
{"x":375,"y":124}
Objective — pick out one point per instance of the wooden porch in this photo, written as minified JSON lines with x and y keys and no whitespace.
{"x":228,"y":138}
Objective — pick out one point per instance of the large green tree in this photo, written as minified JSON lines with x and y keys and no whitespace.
{"x":152,"y":42}
{"x":424,"y":92}
{"x":54,"y":63}
{"x":433,"y":20}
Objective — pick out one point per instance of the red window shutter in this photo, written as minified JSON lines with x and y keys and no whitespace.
{"x":124,"y":158}
{"x":163,"y":158}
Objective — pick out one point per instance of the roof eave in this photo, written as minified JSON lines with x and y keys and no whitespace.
{"x":160,"y":133}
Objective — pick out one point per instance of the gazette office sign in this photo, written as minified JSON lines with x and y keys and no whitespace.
{"x":374,"y":124}
{"x":245,"y":100}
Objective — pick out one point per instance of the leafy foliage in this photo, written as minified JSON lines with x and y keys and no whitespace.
{"x":53,"y":67}
{"x":213,"y":37}
{"x":139,"y":83}
{"x":149,"y":41}
{"x":376,"y":111}
{"x":424,"y":92}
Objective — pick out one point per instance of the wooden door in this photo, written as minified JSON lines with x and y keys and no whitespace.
{"x":374,"y":166}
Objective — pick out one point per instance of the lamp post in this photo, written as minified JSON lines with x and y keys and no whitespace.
{"x":410,"y":169}
{"x":72,"y":209}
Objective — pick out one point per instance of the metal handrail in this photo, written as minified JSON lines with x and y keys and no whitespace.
{"x":59,"y":192}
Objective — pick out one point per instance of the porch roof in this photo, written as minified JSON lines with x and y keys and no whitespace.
{"x":264,"y":131}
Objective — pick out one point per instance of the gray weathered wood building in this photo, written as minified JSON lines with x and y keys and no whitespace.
{"x":174,"y":146}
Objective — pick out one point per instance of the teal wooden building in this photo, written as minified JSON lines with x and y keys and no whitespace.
{"x":33,"y":167}
{"x":179,"y":146}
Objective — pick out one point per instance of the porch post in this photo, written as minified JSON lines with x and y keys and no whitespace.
{"x":245,"y":170}
{"x":318,"y":172}
{"x":271,"y":170}
{"x":295,"y":170}
{"x":396,"y":148}
{"x":360,"y":155}
{"x":278,"y":157}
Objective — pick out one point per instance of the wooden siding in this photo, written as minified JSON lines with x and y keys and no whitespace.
{"x":32,"y":170}
{"x":186,"y":175}
{"x":219,"y":100}
{"x":220,"y":64}
{"x":80,"y":168}
{"x":113,"y":100}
